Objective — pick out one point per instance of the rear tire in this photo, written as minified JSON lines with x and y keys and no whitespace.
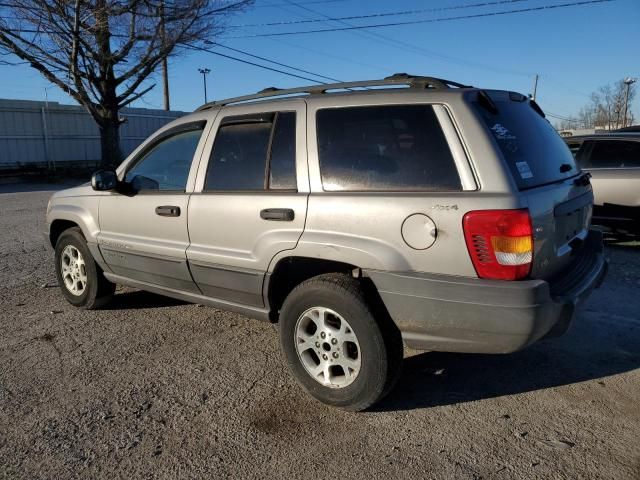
{"x":337,"y":349}
{"x":80,"y":278}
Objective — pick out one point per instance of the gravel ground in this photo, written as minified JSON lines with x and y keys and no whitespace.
{"x":156,"y":388}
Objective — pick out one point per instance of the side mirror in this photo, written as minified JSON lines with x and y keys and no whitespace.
{"x":104,"y":180}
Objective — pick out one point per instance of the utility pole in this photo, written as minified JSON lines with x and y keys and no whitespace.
{"x":204,"y":72}
{"x":165,"y":86}
{"x":535,"y":88}
{"x":628,"y":82}
{"x":165,"y":67}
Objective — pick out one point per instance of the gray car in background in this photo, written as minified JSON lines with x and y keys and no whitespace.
{"x":356,"y":216}
{"x":613,"y":160}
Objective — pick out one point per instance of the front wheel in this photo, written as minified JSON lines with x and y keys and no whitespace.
{"x":337,"y":349}
{"x":80,"y":278}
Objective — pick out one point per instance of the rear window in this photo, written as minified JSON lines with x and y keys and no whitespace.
{"x":384,"y":148}
{"x":534,"y":151}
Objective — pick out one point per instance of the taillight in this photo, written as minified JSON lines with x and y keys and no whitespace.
{"x":500,"y":243}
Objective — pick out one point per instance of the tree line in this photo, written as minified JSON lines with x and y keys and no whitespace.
{"x":605,"y":109}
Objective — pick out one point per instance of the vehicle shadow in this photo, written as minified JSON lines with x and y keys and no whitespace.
{"x":139,"y":299}
{"x":597,"y":346}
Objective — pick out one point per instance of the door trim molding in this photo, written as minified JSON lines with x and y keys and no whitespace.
{"x":251,"y":312}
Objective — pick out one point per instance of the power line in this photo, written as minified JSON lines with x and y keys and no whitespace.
{"x":237,"y":50}
{"x":565,"y":86}
{"x":344,"y":59}
{"x":422,"y":51}
{"x":431,"y":20}
{"x":559,"y":117}
{"x":415,"y":48}
{"x":299,"y":6}
{"x":230,"y":57}
{"x":564,"y":118}
{"x":313,"y":2}
{"x":374,"y":15}
{"x":193,"y":47}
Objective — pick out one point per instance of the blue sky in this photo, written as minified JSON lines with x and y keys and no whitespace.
{"x":574,"y":50}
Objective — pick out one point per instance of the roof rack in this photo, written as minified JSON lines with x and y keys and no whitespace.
{"x":413,"y":81}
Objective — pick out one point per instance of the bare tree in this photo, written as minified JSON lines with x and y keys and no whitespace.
{"x":104,"y":52}
{"x":606,"y":108}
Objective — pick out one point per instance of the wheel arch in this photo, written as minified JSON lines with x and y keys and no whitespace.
{"x":289,"y":272}
{"x":57,"y":227}
{"x":61,"y":217}
{"x":64,"y":216}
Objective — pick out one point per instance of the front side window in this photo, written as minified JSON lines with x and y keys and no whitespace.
{"x":254,"y":153}
{"x":166,"y":165}
{"x":614,"y":154}
{"x":384,"y":148}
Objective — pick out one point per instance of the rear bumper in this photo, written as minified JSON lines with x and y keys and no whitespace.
{"x":459,"y":314}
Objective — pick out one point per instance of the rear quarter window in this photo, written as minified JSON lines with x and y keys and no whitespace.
{"x":535,"y":153}
{"x":384,"y":148}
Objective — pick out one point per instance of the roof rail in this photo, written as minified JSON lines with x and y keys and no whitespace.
{"x":413,"y":81}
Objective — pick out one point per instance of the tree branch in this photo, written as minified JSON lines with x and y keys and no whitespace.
{"x":133,"y":98}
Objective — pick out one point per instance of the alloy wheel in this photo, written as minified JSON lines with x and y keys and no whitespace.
{"x":74,"y":274}
{"x":327,"y":347}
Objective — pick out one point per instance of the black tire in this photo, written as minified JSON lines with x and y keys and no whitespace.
{"x":380,"y":343}
{"x":98,"y":290}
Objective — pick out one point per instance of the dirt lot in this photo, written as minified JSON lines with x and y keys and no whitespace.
{"x":156,"y":388}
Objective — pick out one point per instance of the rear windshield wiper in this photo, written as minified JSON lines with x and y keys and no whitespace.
{"x":484,"y":100}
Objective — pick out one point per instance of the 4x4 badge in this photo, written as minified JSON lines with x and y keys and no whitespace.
{"x":445,"y":207}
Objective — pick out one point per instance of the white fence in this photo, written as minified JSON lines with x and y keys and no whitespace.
{"x":48,"y":134}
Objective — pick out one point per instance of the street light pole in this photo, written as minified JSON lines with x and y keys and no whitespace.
{"x":204,"y":72}
{"x":628,"y":82}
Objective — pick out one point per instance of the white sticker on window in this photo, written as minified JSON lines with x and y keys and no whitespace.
{"x":524,"y":170}
{"x":502,"y":133}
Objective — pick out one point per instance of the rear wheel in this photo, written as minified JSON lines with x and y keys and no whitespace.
{"x":337,"y":349}
{"x":80,"y":278}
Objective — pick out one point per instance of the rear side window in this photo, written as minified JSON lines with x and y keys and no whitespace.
{"x":613,"y":154}
{"x":254,"y":153}
{"x":282,"y":167}
{"x":238,"y":158}
{"x":384,"y":148}
{"x":533,"y":150}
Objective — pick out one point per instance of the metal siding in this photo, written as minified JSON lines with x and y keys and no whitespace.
{"x":73,"y":136}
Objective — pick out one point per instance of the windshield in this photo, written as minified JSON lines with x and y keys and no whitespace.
{"x":534,"y":151}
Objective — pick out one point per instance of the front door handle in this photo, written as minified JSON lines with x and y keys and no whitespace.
{"x":277,"y":214}
{"x":168,"y":211}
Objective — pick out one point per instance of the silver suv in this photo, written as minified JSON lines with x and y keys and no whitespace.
{"x":613,"y":160}
{"x":357,"y":216}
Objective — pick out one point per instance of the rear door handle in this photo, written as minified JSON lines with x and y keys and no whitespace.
{"x":277,"y":214}
{"x":168,"y":211}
